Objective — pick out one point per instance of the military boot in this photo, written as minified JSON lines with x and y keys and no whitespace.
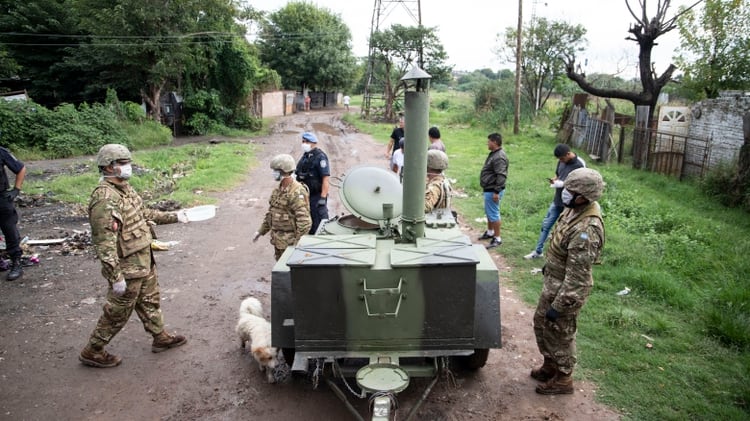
{"x":164,"y":341}
{"x":546,"y":371}
{"x":561,"y":384}
{"x":16,"y":269}
{"x":98,"y":357}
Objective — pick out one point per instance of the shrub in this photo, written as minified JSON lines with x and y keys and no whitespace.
{"x":199,"y":124}
{"x":133,"y":112}
{"x":716,"y":183}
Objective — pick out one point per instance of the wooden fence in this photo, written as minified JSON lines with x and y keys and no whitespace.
{"x":663,"y":152}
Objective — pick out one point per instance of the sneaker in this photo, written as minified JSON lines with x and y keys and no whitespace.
{"x":485,"y":236}
{"x":532,"y":255}
{"x":494,"y":243}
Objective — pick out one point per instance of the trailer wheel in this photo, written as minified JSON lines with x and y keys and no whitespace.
{"x":474,"y":361}
{"x":288,"y":355}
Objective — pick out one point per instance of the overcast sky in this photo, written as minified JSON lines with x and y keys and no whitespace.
{"x":468,"y":29}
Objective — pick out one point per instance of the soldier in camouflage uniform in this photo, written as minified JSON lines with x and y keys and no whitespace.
{"x":122,"y":237}
{"x":288,"y":217}
{"x":438,"y":190}
{"x":575,"y":245}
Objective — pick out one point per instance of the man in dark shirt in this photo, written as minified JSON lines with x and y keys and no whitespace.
{"x":567,"y":162}
{"x":314,"y":170}
{"x":8,"y":214}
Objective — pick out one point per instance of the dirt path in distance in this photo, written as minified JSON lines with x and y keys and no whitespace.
{"x":46,"y":318}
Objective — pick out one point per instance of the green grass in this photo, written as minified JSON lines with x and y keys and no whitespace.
{"x":184,"y":174}
{"x":683,"y":255}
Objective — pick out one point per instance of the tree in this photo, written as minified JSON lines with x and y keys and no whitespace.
{"x":397,"y":49}
{"x":147,"y":46}
{"x":308,"y":46}
{"x":34,"y":35}
{"x":545,"y":46}
{"x":715,"y":47}
{"x":645,"y":31}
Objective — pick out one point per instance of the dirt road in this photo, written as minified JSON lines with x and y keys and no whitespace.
{"x":46,"y":317}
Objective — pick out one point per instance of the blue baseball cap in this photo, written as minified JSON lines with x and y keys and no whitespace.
{"x":309,"y":137}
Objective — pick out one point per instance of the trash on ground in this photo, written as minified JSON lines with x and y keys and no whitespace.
{"x":625,"y":291}
{"x":535,"y":271}
{"x":162,"y":245}
{"x":46,"y":242}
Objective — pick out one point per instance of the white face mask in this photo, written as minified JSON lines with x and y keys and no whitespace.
{"x":125,"y":170}
{"x":567,"y":197}
{"x":306,"y":147}
{"x":277,"y":175}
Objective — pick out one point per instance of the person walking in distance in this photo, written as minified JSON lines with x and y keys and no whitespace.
{"x":8,"y":213}
{"x":575,"y":245}
{"x":288,"y":216}
{"x":121,"y":235}
{"x":492,"y":180}
{"x":314,"y":170}
{"x":567,"y":161}
{"x":347,"y":99}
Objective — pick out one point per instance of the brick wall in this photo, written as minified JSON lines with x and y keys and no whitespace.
{"x":720,"y":120}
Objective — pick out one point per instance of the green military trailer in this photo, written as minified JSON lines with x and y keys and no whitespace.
{"x":387,"y":292}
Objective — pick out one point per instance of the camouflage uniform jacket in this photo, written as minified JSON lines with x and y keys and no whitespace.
{"x":288,"y":217}
{"x":437,"y":193}
{"x":575,"y":245}
{"x":120,"y":232}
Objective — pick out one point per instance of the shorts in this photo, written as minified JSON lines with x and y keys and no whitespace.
{"x":492,"y":209}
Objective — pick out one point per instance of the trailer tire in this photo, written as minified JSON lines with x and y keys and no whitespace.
{"x":474,"y":361}
{"x":288,"y":355}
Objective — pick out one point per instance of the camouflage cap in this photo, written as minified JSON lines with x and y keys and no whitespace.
{"x":587,"y":182}
{"x":110,"y":153}
{"x":283,"y":162}
{"x":437,"y":159}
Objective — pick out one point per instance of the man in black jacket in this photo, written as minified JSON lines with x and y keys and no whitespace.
{"x":314,"y":170}
{"x":492,"y":179}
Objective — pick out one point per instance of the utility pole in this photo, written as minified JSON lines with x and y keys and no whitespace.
{"x":382,"y":11}
{"x":519,"y":55}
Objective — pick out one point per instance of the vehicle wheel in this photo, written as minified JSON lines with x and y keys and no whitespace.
{"x":288,"y":355}
{"x":474,"y":361}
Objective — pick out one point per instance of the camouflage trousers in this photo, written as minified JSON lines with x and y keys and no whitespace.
{"x":141,"y":295}
{"x":277,"y":252}
{"x":556,"y":339}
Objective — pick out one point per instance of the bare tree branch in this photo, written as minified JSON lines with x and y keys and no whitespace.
{"x":645,"y":32}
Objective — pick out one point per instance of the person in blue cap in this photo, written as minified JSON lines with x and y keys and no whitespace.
{"x":313,"y":170}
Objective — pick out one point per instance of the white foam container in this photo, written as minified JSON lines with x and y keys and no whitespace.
{"x":200,"y":213}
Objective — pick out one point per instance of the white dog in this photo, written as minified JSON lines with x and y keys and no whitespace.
{"x":253,"y":327}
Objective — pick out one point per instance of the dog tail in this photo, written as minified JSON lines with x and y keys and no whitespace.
{"x":251,"y":305}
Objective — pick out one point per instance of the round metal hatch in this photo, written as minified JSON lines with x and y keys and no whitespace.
{"x":382,"y":378}
{"x":366,"y":189}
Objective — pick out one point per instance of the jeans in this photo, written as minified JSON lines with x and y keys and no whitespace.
{"x":549,"y":220}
